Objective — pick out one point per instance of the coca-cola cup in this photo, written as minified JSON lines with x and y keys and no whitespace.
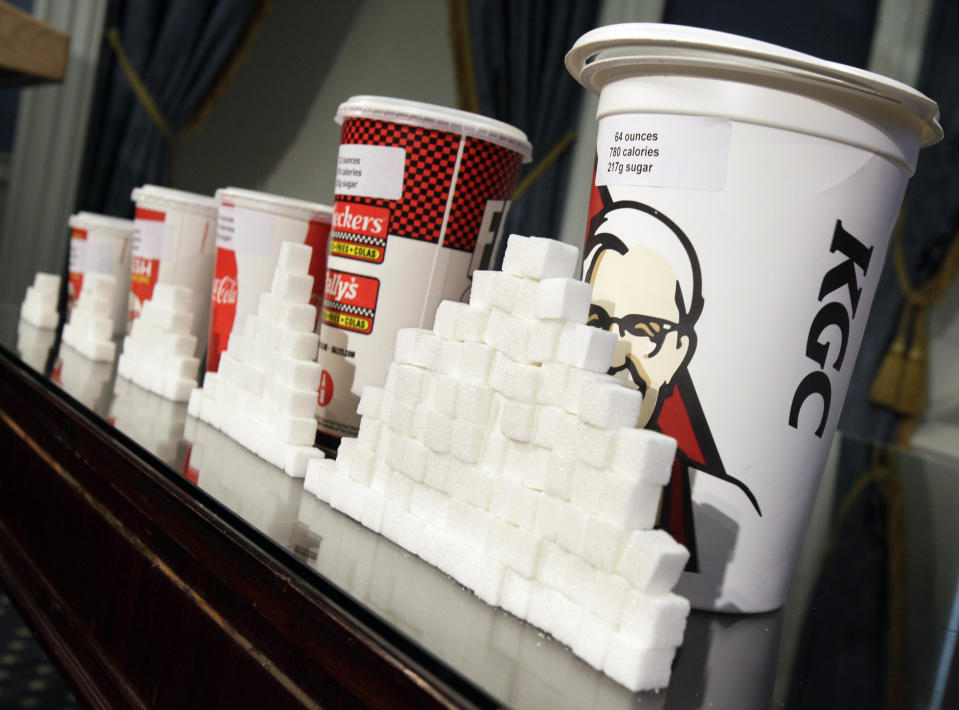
{"x":422,"y":193}
{"x":174,"y":243}
{"x":740,"y":212}
{"x":100,"y":245}
{"x":251,"y":226}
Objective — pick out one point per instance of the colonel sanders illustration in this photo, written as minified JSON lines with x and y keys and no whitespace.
{"x":647,"y":289}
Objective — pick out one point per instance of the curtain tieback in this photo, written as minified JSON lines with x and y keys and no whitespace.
{"x":139,"y":88}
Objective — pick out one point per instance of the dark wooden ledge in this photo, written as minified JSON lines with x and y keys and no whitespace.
{"x":147,"y":593}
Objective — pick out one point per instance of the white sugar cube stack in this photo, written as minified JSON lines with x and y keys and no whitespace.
{"x":500,"y":451}
{"x":159,"y":354}
{"x":264,"y":393}
{"x":39,"y":307}
{"x":90,"y":328}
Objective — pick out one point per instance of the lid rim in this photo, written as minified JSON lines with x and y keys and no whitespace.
{"x":437,"y":118}
{"x":272,"y":202}
{"x":720,"y":49}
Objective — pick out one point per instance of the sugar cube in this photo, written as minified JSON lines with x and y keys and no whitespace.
{"x":508,"y":334}
{"x":603,"y":544}
{"x":485,"y":577}
{"x":572,"y":528}
{"x":552,"y":383}
{"x":400,"y":417}
{"x":644,"y":455}
{"x":520,"y":382}
{"x":517,"y":420}
{"x":637,"y":667}
{"x":607,"y":596}
{"x":408,"y":383}
{"x":524,"y":307}
{"x":300,"y":431}
{"x":515,"y":547}
{"x":473,"y":402}
{"x":430,"y":505}
{"x":481,"y":287}
{"x":543,"y":340}
{"x":592,"y":639}
{"x":370,"y":400}
{"x":595,"y":444}
{"x":294,"y":257}
{"x":296,"y":316}
{"x":436,"y":470}
{"x":298,"y":374}
{"x":447,"y":315}
{"x":471,"y":323}
{"x":610,"y":405}
{"x":539,"y":258}
{"x":440,"y":392}
{"x":547,"y":520}
{"x":516,"y":593}
{"x":474,"y":361}
{"x":416,"y":346}
{"x":437,"y":432}
{"x":586,"y":347}
{"x":654,"y":620}
{"x":505,"y":288}
{"x":469,"y":523}
{"x":627,"y":504}
{"x":652,"y":560}
{"x":563,"y":298}
{"x":467,"y":440}
{"x":298,"y":344}
{"x":448,"y":356}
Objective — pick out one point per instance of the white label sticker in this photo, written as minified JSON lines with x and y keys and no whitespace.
{"x":658,"y":150}
{"x":149,"y":237}
{"x":101,"y":256}
{"x":245,"y":231}
{"x":77,"y":255}
{"x":370,"y":171}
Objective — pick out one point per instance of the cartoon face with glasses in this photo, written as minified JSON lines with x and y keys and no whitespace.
{"x":645,"y":280}
{"x":647,"y":289}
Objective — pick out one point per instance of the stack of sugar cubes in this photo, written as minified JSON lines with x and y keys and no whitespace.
{"x":501,"y":452}
{"x":39,"y":307}
{"x":264,"y":393}
{"x":90,"y":328}
{"x":159,"y":353}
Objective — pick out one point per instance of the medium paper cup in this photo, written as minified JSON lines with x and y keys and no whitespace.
{"x":422,"y":193}
{"x":742,"y":204}
{"x":100,"y":245}
{"x":174,"y":243}
{"x":251,"y":228}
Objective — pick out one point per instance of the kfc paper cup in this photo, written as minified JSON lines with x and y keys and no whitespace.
{"x":422,"y":193}
{"x":741,"y":208}
{"x":100,"y":245}
{"x":174,"y":243}
{"x":251,"y":227}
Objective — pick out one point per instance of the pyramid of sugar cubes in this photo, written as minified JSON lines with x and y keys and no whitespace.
{"x":500,"y":451}
{"x":90,"y":328}
{"x":159,"y":353}
{"x":264,"y":393}
{"x":39,"y":307}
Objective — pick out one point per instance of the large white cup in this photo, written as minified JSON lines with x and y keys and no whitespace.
{"x":742,"y":204}
{"x":100,"y":245}
{"x":174,"y":243}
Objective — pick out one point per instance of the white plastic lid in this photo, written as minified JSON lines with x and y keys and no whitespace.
{"x":635,"y":49}
{"x":276,"y":204}
{"x":101,"y":222}
{"x":162,"y":198}
{"x":437,"y":118}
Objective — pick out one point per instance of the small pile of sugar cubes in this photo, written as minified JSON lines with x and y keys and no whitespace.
{"x":500,"y":451}
{"x":90,"y":328}
{"x":159,"y":353}
{"x":39,"y":307}
{"x":264,"y":393}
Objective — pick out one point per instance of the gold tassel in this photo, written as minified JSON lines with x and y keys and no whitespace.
{"x":912,"y":392}
{"x":888,"y":381}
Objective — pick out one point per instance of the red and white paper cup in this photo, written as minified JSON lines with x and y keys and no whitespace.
{"x":174,"y":243}
{"x":422,"y":193}
{"x":251,"y":227}
{"x":742,"y":204}
{"x":100,"y":245}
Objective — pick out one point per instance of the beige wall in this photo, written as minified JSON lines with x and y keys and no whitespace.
{"x":273,"y":129}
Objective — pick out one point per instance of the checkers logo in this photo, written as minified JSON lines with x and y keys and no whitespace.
{"x":359,"y":231}
{"x":350,"y":301}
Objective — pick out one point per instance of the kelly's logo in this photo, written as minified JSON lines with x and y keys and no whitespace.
{"x":841,"y":277}
{"x":359,"y":231}
{"x":350,"y":301}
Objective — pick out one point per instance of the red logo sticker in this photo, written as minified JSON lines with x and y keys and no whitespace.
{"x":350,"y":301}
{"x":325,"y":392}
{"x":359,"y":231}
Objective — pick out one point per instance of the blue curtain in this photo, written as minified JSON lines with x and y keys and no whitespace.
{"x":518,"y":50}
{"x":178,"y":48}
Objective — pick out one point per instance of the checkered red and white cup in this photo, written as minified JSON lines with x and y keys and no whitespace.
{"x":174,"y":243}
{"x":100,"y":245}
{"x":251,"y":227}
{"x":742,"y":204}
{"x":422,"y":194}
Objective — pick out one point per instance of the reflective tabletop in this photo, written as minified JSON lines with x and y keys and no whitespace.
{"x":871,"y":621}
